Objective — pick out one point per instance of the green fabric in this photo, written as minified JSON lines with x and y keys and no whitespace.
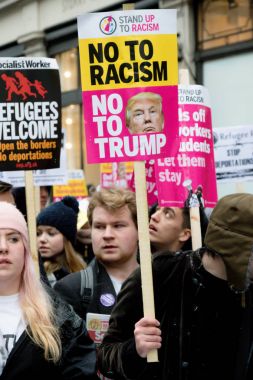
{"x":230,"y":233}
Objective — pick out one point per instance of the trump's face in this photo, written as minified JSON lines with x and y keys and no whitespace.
{"x":146,"y":116}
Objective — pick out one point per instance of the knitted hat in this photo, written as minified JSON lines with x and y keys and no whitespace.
{"x":230,"y":234}
{"x":12,"y":218}
{"x":62,"y":215}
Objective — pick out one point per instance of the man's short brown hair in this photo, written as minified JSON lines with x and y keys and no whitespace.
{"x":112,"y":199}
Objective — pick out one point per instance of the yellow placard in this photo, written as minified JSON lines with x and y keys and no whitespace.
{"x":75,"y":188}
{"x":132,"y":61}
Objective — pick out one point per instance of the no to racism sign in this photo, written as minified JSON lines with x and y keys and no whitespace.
{"x":122,"y":55}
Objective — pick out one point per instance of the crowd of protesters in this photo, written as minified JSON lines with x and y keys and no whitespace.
{"x":203,"y":327}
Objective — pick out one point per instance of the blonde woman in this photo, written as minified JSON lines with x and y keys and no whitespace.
{"x":40,"y":335}
{"x":56,"y":236}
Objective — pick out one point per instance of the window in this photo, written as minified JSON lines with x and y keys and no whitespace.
{"x":224,"y":22}
{"x":72,"y":109}
{"x":71,"y":121}
{"x":68,"y":64}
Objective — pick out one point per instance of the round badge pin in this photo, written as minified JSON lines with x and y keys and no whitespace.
{"x":107,"y":299}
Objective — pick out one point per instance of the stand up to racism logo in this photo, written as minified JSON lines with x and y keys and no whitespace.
{"x":108,"y":25}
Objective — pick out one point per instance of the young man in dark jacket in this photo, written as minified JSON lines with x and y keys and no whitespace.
{"x":201,"y":303}
{"x":112,"y":216}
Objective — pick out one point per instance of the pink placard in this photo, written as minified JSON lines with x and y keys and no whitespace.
{"x":190,"y":168}
{"x":150,"y":182}
{"x":108,"y":135}
{"x":126,"y":54}
{"x":117,"y":174}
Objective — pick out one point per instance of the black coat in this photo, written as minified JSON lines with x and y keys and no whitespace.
{"x":78,"y":360}
{"x":200,"y":322}
{"x":69,"y":288}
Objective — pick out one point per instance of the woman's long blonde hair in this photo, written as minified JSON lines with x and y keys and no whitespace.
{"x":38,"y":311}
{"x":68,"y":259}
{"x":37,"y":307}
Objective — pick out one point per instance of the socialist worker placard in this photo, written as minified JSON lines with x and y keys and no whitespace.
{"x":129,"y":74}
{"x":30,"y":114}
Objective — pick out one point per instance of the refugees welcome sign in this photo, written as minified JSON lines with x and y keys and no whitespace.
{"x":30,"y":114}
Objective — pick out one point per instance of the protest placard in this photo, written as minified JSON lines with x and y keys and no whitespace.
{"x":43,"y":177}
{"x":30,"y":113}
{"x":129,"y":74}
{"x":152,"y":196}
{"x":190,"y":168}
{"x":30,"y":123}
{"x":75,"y":186}
{"x":129,"y":58}
{"x":117,"y":174}
{"x":97,"y":325}
{"x":233,"y":147}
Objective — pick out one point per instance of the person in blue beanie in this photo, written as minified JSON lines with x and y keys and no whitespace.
{"x":56,"y":237}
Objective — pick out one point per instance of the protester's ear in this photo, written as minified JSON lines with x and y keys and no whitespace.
{"x":185,"y":235}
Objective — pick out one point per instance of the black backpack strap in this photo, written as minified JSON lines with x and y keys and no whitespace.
{"x":87,"y":284}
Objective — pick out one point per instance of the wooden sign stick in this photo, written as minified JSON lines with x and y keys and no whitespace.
{"x":31,"y":216}
{"x":37,"y":199}
{"x":144,"y":241}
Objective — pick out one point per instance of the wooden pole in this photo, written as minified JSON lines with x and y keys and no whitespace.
{"x":31,"y":216}
{"x":37,"y":199}
{"x":144,"y":241}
